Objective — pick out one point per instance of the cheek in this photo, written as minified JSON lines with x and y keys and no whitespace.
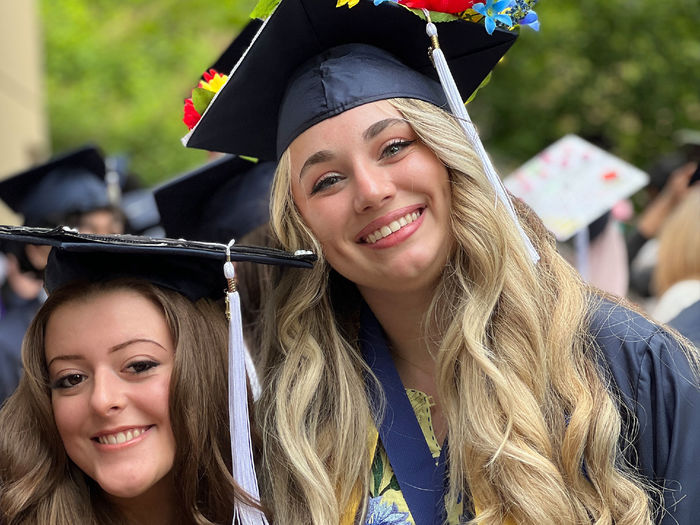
{"x":68,"y":414}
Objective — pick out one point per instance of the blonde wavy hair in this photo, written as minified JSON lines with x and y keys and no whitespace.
{"x":40,"y":485}
{"x":516,"y":372}
{"x":679,"y":244}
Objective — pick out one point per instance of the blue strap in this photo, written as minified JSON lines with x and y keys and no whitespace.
{"x":422,"y":483}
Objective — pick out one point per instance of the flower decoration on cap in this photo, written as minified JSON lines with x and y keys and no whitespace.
{"x":202,"y":96}
{"x":506,"y":14}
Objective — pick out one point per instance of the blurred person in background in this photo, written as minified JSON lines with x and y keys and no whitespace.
{"x":670,"y":176}
{"x":68,"y":190}
{"x":677,"y":273}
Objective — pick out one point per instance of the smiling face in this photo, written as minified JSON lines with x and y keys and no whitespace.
{"x":110,"y":357}
{"x":375,"y":197}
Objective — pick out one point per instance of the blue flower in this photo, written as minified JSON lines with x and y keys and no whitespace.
{"x":531,"y":20}
{"x":379,"y":513}
{"x":491,"y":11}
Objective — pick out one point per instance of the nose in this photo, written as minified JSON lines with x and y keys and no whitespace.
{"x":373,"y":186}
{"x":107,"y":396}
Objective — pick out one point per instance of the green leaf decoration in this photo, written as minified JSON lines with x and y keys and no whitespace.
{"x":264,"y":8}
{"x":434,"y":15}
{"x":201,"y":98}
{"x":483,"y":84}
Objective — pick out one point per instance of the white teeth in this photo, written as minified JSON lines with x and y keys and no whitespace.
{"x":120,"y":437}
{"x":392,"y":227}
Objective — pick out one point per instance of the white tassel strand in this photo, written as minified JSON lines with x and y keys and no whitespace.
{"x":239,"y":422}
{"x":454,"y":99}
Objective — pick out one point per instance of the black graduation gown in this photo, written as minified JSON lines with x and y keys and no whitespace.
{"x":646,"y":367}
{"x":653,"y":375}
{"x":17,"y":314}
{"x":688,"y":323}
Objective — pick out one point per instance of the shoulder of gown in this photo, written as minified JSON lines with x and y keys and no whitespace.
{"x":688,"y":323}
{"x":655,"y":379}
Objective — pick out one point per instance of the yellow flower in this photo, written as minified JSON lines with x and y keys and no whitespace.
{"x":213,"y":80}
{"x":349,"y":3}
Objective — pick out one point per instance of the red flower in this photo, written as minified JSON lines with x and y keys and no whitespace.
{"x":208,"y":75}
{"x":441,"y":6}
{"x":191,"y":116}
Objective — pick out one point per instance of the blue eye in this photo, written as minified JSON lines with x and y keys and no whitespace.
{"x":325,"y":182}
{"x":395,"y":147}
{"x":68,"y":381}
{"x":139,"y":367}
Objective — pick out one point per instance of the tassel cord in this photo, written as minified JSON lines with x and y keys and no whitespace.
{"x":454,"y":99}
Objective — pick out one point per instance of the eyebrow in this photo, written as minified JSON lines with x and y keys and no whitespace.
{"x":115,"y":348}
{"x":376,"y":128}
{"x":371,"y":132}
{"x":316,"y":158}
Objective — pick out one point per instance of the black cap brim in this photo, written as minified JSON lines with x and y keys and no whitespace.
{"x":192,"y":268}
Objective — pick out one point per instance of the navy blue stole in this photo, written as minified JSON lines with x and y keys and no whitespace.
{"x":422,"y":483}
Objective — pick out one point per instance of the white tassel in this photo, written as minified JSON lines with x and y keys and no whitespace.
{"x":454,"y":99}
{"x":239,"y":422}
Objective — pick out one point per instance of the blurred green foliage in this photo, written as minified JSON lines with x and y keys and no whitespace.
{"x":625,"y":69}
{"x":117,"y":74}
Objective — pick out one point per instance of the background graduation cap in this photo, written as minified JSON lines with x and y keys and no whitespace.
{"x":191,"y":268}
{"x":69,"y":183}
{"x":224,"y":199}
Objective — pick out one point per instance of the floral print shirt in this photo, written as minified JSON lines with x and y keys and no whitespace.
{"x":386,"y":503}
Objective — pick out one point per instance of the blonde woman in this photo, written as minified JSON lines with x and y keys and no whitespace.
{"x":432,"y":368}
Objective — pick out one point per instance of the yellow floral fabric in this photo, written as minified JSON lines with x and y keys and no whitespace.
{"x":386,"y":503}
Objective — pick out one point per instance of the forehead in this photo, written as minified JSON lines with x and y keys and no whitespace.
{"x":344,"y":126}
{"x":104,"y":319}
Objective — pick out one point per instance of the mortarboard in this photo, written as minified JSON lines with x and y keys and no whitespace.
{"x":312,"y":60}
{"x":69,"y":183}
{"x":224,"y":199}
{"x":572,"y":182}
{"x":300,"y":30}
{"x":237,"y":47}
{"x":191,"y":268}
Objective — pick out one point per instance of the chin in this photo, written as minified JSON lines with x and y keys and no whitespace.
{"x":123,"y":490}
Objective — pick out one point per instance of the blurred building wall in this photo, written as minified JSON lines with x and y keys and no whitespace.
{"x":24,"y":136}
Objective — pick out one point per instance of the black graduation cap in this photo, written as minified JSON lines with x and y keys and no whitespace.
{"x":69,"y":183}
{"x":237,"y":47}
{"x":222,"y":200}
{"x":392,"y":62}
{"x":192,"y":268}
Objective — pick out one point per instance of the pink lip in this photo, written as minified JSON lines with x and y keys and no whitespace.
{"x":385,"y":220}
